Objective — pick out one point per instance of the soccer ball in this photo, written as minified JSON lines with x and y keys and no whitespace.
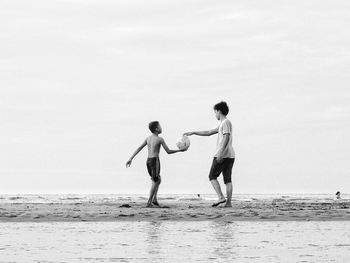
{"x":183,"y":142}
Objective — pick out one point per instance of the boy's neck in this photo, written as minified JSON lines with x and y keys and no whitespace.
{"x":222,"y":117}
{"x":155,"y":133}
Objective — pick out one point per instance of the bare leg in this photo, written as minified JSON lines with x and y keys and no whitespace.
{"x":228,"y":194}
{"x":155,"y":199}
{"x":217,"y":189}
{"x":151,"y":194}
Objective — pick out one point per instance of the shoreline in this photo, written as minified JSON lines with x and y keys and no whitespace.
{"x":177,"y":210}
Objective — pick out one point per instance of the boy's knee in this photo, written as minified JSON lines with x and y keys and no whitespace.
{"x":227,"y":182}
{"x":157,"y":179}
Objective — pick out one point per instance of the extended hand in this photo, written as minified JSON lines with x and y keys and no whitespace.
{"x":188,"y":133}
{"x":184,"y":150}
{"x":128,"y":163}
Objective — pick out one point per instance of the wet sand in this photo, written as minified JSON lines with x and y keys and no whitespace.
{"x":178,"y":210}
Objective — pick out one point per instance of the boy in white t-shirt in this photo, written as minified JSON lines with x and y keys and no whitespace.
{"x":224,"y":157}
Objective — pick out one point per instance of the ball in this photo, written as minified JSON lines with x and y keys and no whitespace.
{"x":183,"y":142}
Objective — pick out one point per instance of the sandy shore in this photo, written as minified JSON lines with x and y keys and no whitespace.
{"x":270,"y":210}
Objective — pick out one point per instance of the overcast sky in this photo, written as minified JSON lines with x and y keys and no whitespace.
{"x":80,"y":80}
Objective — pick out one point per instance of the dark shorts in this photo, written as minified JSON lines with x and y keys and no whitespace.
{"x":153,"y":168}
{"x":225,"y":167}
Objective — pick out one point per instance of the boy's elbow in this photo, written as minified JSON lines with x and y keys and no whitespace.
{"x":139,"y":149}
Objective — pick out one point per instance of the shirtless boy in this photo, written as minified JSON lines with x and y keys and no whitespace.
{"x":153,"y":142}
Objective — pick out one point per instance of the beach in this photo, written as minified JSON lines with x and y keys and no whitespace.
{"x":119,"y":228}
{"x":67,"y":208}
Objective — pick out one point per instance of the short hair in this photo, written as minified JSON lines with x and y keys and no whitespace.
{"x":222,"y":106}
{"x":153,"y":126}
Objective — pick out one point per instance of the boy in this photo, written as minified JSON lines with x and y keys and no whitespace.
{"x":224,"y":156}
{"x":153,"y":142}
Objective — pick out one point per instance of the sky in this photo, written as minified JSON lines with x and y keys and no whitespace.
{"x":81,"y":80}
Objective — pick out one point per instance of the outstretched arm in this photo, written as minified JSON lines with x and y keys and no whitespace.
{"x":166,"y":148}
{"x":128,"y":163}
{"x":203,"y":133}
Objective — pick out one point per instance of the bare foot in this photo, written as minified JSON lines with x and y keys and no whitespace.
{"x":228,"y":204}
{"x":156,"y":203}
{"x":150,"y":206}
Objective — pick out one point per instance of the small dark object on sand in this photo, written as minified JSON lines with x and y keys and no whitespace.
{"x":218,"y":203}
{"x":337,"y":195}
{"x":125,"y":205}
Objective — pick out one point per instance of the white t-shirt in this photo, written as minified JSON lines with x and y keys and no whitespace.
{"x":225,"y":127}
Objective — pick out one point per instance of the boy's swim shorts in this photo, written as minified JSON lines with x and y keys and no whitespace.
{"x":225,"y":167}
{"x":153,"y":168}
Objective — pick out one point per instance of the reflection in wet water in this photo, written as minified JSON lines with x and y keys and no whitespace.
{"x":153,"y":238}
{"x":173,"y":241}
{"x":223,"y":240}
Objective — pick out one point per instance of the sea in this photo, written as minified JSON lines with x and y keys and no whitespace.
{"x":172,"y":241}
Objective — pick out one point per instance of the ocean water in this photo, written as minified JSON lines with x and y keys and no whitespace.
{"x":74,"y":198}
{"x":172,"y":240}
{"x":175,"y":241}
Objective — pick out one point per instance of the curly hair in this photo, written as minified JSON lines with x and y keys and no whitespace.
{"x":222,"y":106}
